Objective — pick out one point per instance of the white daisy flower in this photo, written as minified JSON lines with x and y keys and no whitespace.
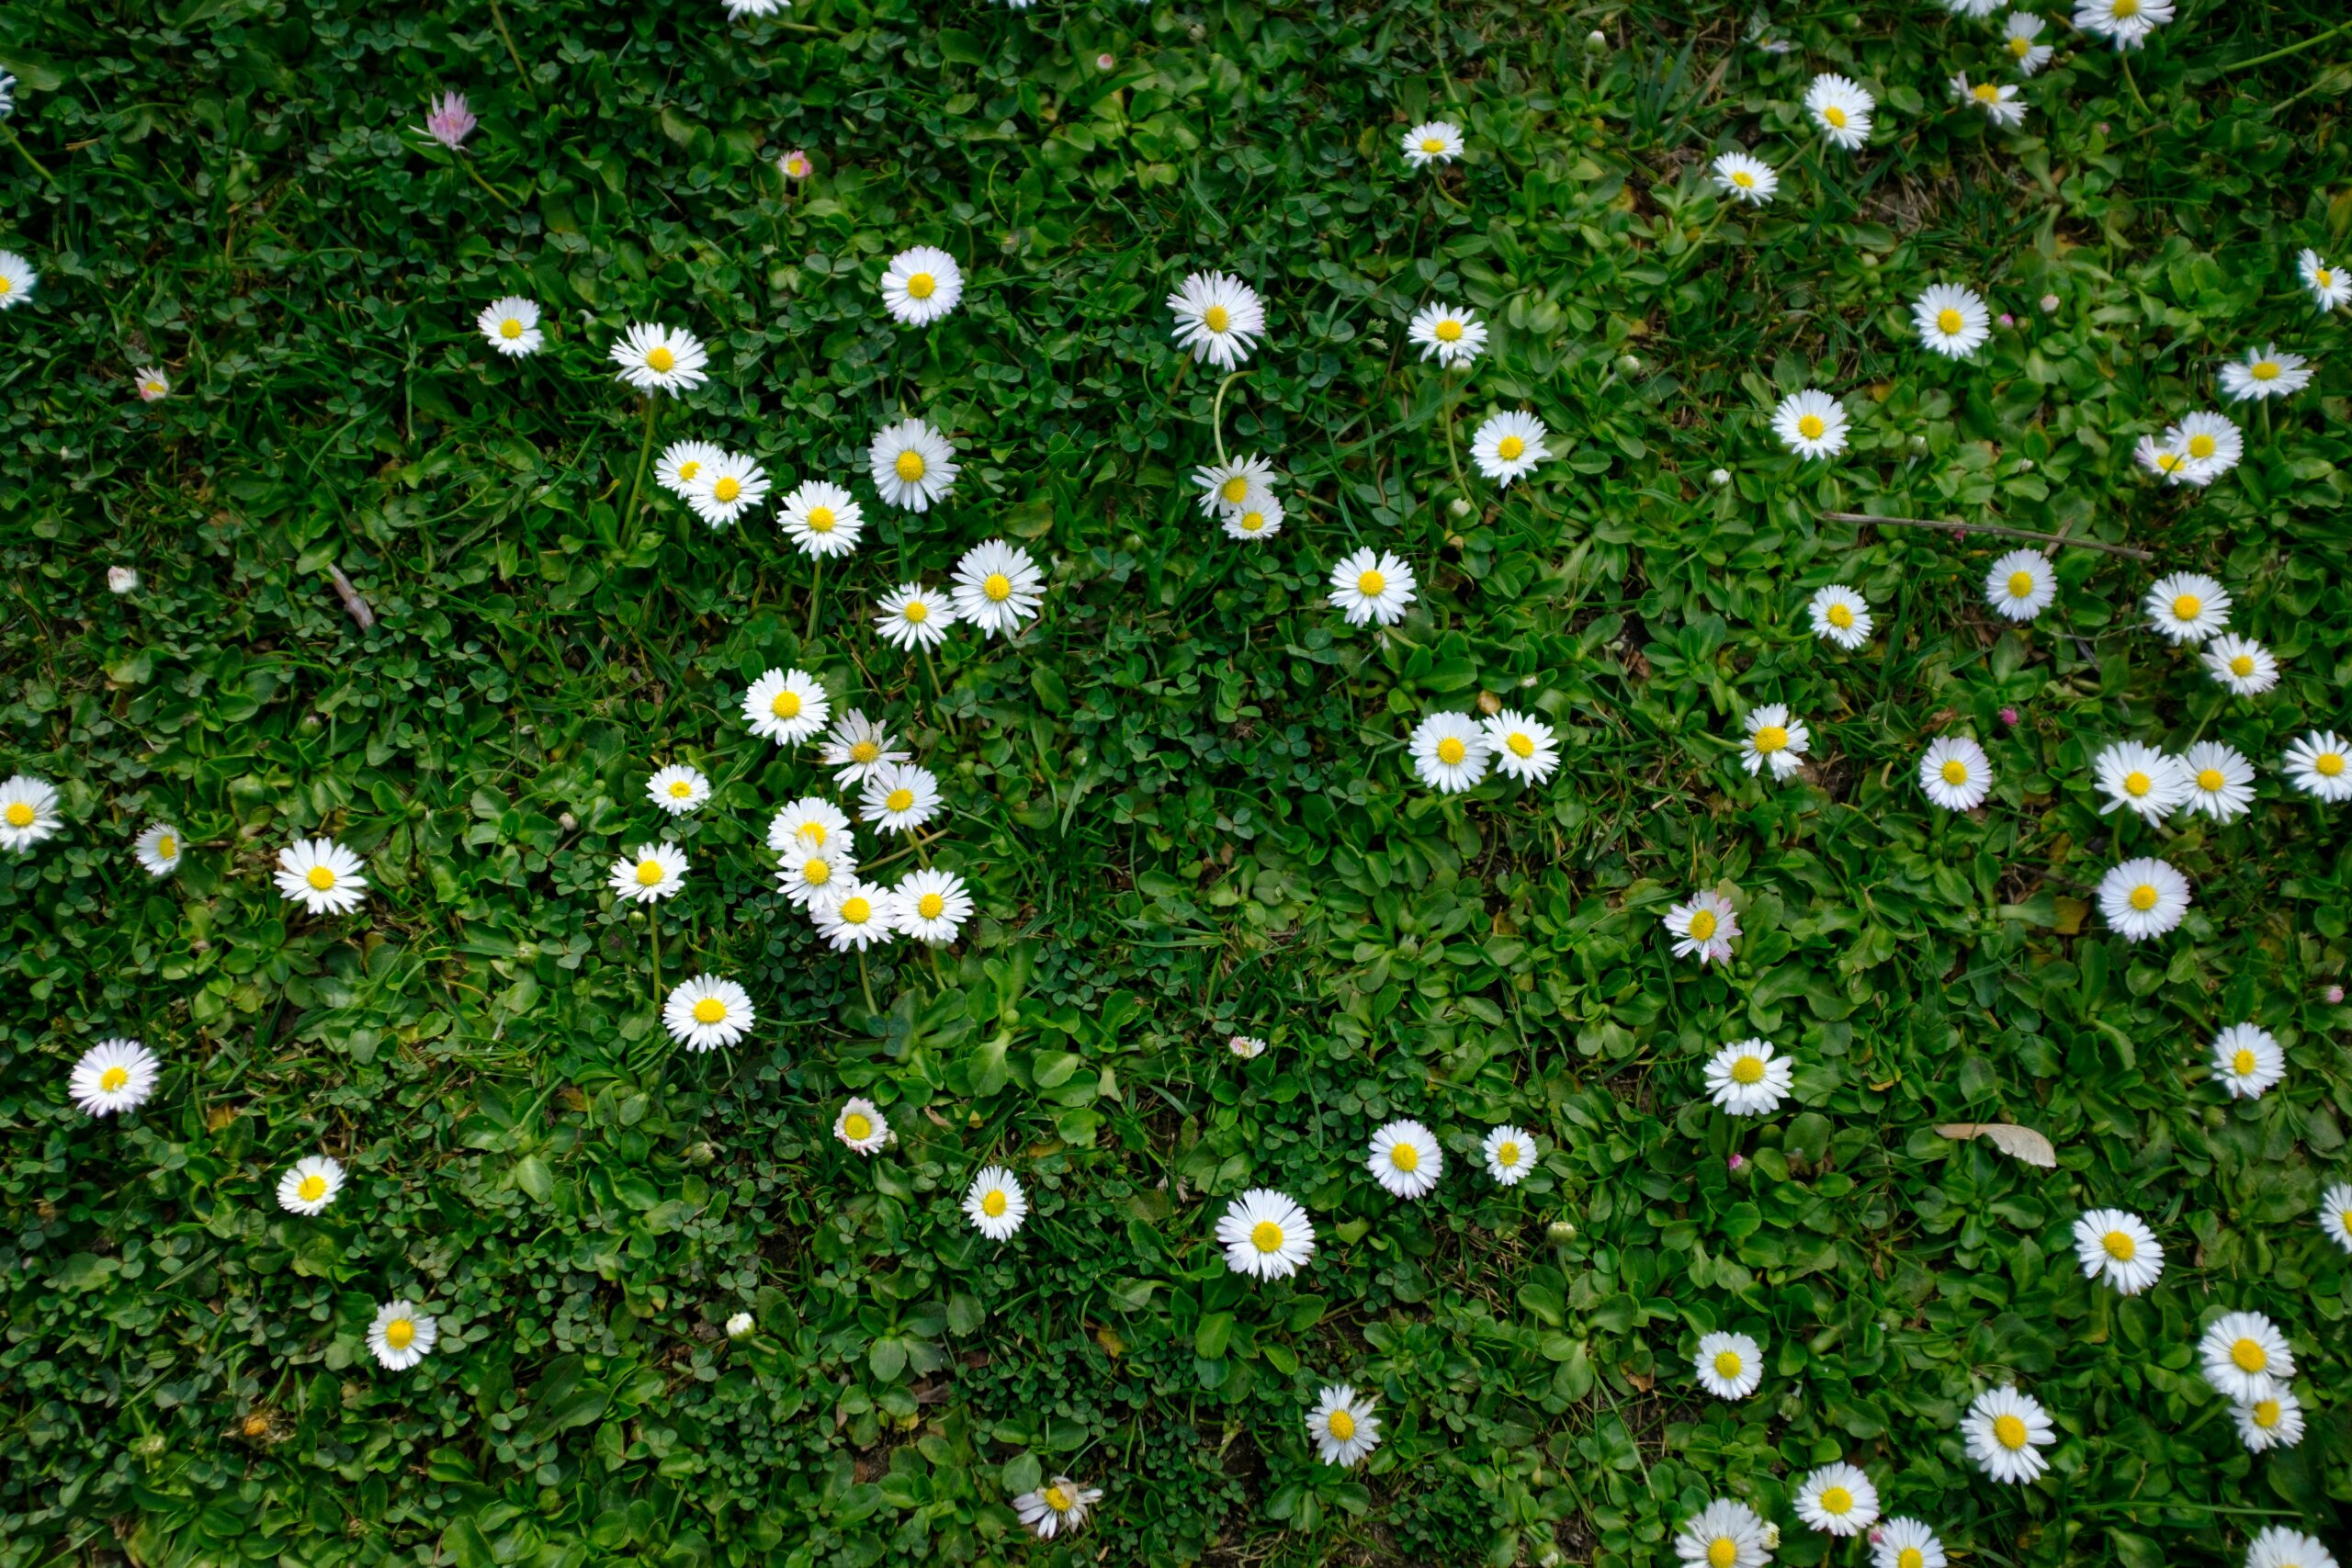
{"x":901,"y":796}
{"x":113,"y":1075}
{"x":153,"y":385}
{"x":680,"y":463}
{"x":2142,"y":898}
{"x":2128,"y":22}
{"x":2220,"y":782}
{"x":911,"y":615}
{"x":1747,"y":1079}
{"x":16,"y":280}
{"x":2246,"y":1357}
{"x":920,"y":286}
{"x":655,"y":359}
{"x":1508,"y":445}
{"x":998,"y":587}
{"x":1219,"y":318}
{"x":1906,"y":1543}
{"x":1975,"y":10}
{"x":929,"y":906}
{"x":2021,"y":36}
{"x":2188,"y":606}
{"x":648,"y":873}
{"x":1841,"y":108}
{"x":2118,"y":1246}
{"x":1523,"y":747}
{"x":1244,"y":481}
{"x":27,"y":812}
{"x":787,"y":706}
{"x":1343,"y":1425}
{"x":401,"y":1335}
{"x":822,"y":519}
{"x":809,"y":875}
{"x":2021,"y":584}
{"x":1373,"y":585}
{"x":1773,"y":741}
{"x":310,"y":1184}
{"x":2266,"y":372}
{"x":1729,"y":1365}
{"x":2247,"y":1060}
{"x":2330,"y":285}
{"x":1703,"y":927}
{"x":512,"y":325}
{"x":913,"y":465}
{"x":321,"y":875}
{"x":1265,"y":1234}
{"x":739,"y":1324}
{"x":1745,"y":178}
{"x":2169,"y":463}
{"x":2316,"y":764}
{"x":2005,"y":1432}
{"x":2211,"y":442}
{"x":1724,"y":1534}
{"x":1249,"y":1047}
{"x":1060,"y":1504}
{"x":1838,"y":1499}
{"x":2141,"y":778}
{"x":1448,"y":333}
{"x":1840,"y":615}
{"x":158,"y":849}
{"x":706,"y":1012}
{"x":726,"y":488}
{"x":995,"y":1203}
{"x":2275,"y":1422}
{"x":855,"y":747}
{"x":861,"y":1126}
{"x":1510,"y":1153}
{"x":678,"y":789}
{"x":1261,"y":521}
{"x":1449,"y":752}
{"x":1956,"y":773}
{"x":1811,"y":423}
{"x":2243,"y":665}
{"x":738,"y":10}
{"x":2335,"y":1214}
{"x":1432,"y":142}
{"x":811,"y":822}
{"x":1951,"y":320}
{"x":2000,"y":103}
{"x":1406,"y":1159}
{"x":2278,"y":1547}
{"x":859,"y":919}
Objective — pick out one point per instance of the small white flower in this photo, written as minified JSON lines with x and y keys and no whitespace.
{"x":648,"y":873}
{"x":1841,"y":108}
{"x":153,"y":385}
{"x":2275,"y":1422}
{"x":2021,"y":36}
{"x":920,"y":286}
{"x":2320,"y":764}
{"x":996,"y":1205}
{"x":2330,"y":285}
{"x":512,"y":326}
{"x":321,"y":875}
{"x":1510,"y":1153}
{"x":811,"y":822}
{"x":27,"y":812}
{"x":1265,"y":1234}
{"x":859,"y":918}
{"x":1838,"y":1499}
{"x":2142,"y":899}
{"x":929,"y":906}
{"x":1725,"y":1534}
{"x":1261,"y":521}
{"x":1747,"y":1079}
{"x":655,"y":359}
{"x":2220,"y":782}
{"x":16,"y":280}
{"x":1432,"y":142}
{"x":2248,"y":1061}
{"x":1703,"y":927}
{"x":2117,"y":1245}
{"x":1951,"y":321}
{"x":1060,"y":1504}
{"x":1406,"y":1159}
{"x":855,"y":747}
{"x":861,"y":1126}
{"x":739,"y":1324}
{"x":901,"y":796}
{"x":2140,"y":778}
{"x":1244,"y":481}
{"x":2169,"y":463}
{"x":706,"y":1012}
{"x":1840,"y":615}
{"x":1449,"y":752}
{"x":998,"y":587}
{"x":1773,"y":741}
{"x":810,"y":874}
{"x":122,"y":580}
{"x":2128,"y":22}
{"x":1508,"y":445}
{"x":1448,"y":333}
{"x":787,"y":706}
{"x":1745,"y":178}
{"x":2188,"y":606}
{"x":2266,"y":372}
{"x":2005,"y":1432}
{"x":1956,"y":773}
{"x":1249,"y":1047}
{"x":822,"y":519}
{"x":913,"y":465}
{"x":1523,"y":747}
{"x":401,"y":1335}
{"x":911,"y":615}
{"x":2278,"y":1547}
{"x":2335,"y":1214}
{"x":310,"y":1184}
{"x":158,"y":849}
{"x":1343,"y":1425}
{"x":1219,"y":318}
{"x":1906,"y":1543}
{"x":1372,"y":586}
{"x":1811,"y":423}
{"x":2245,"y":1358}
{"x":1730,"y":1366}
{"x":2243,"y":665}
{"x":2211,"y":442}
{"x":680,"y":463}
{"x":678,"y":789}
{"x":112,"y":1077}
{"x":2022,"y":585}
{"x":2001,"y":104}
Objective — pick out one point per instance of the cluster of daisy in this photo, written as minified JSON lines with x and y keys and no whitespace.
{"x":1452,"y":752}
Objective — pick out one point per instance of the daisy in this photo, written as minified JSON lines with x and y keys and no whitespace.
{"x":512,"y":325}
{"x":17,"y":278}
{"x":859,"y":918}
{"x":1523,"y":747}
{"x":2220,"y":783}
{"x":1747,"y":1079}
{"x":739,"y":1324}
{"x":682,"y":463}
{"x":2315,"y":764}
{"x":2141,"y":778}
{"x":787,"y":706}
{"x":2330,"y":285}
{"x":2005,"y":1431}
{"x":1729,"y":1365}
{"x":795,"y":165}
{"x":113,"y":1075}
{"x":706,"y":1012}
{"x":929,"y":906}
{"x":1343,"y":1425}
{"x":1249,"y":1047}
{"x":1724,"y":1534}
{"x":1245,"y":481}
{"x":1704,"y":926}
{"x":2171,"y":464}
{"x":2022,"y":585}
{"x":1372,"y":586}
{"x":2188,"y":606}
{"x":812,"y":822}
{"x":996,"y":1204}
{"x":920,"y":286}
{"x":1906,"y":1543}
{"x":2278,"y":1547}
{"x":1448,"y":333}
{"x":1449,"y":752}
{"x":2275,"y":1422}
{"x":321,"y":875}
{"x":1975,"y":10}
{"x":2335,"y":1214}
{"x":153,"y":385}
{"x":1406,"y":1159}
{"x":1218,"y":316}
{"x":310,"y":1185}
{"x":1432,"y":142}
{"x":2266,"y":372}
{"x":913,"y":465}
{"x":1956,"y":773}
{"x":911,"y":615}
{"x":997,"y":588}
{"x":1510,"y":1153}
{"x":902,"y":796}
{"x":158,"y":849}
{"x":2142,"y":898}
{"x":1773,"y":741}
{"x":2244,"y":1352}
{"x":2021,"y":36}
{"x":650,"y":873}
{"x":738,"y":10}
{"x":1842,"y":108}
{"x":2243,"y":665}
{"x":2247,"y":1060}
{"x":2209,"y":440}
{"x":856,"y":747}
{"x":678,"y":789}
{"x":2128,"y":22}
{"x":27,"y":812}
{"x":861,"y":1126}
{"x":1261,"y":521}
{"x":1840,"y":615}
{"x":1745,"y":178}
{"x":1508,"y":445}
{"x":822,"y":519}
{"x":1838,"y":1499}
{"x":2118,"y":1246}
{"x":1951,"y":320}
{"x":1265,"y":1234}
{"x":726,"y":488}
{"x":811,"y":876}
{"x":2001,"y":104}
{"x":401,"y":1336}
{"x":655,"y":359}
{"x":1811,"y":423}
{"x":1060,"y":1504}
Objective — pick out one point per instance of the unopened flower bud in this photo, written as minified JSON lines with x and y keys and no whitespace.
{"x":123,"y":578}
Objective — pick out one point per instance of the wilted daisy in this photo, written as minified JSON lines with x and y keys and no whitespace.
{"x":1745,"y":178}
{"x":1838,"y":1499}
{"x":401,"y":1335}
{"x":1262,"y":520}
{"x":921,"y":284}
{"x":1811,"y":423}
{"x":2220,"y":782}
{"x":998,"y":587}
{"x":1951,"y":320}
{"x":1060,"y":1504}
{"x":2316,"y":765}
{"x":16,"y":280}
{"x":2118,"y":1248}
{"x":706,"y":1012}
{"x":812,"y":822}
{"x":113,"y":1075}
{"x":1523,"y":747}
{"x":1841,"y":108}
{"x":650,"y":873}
{"x":2273,"y":1422}
{"x":2209,"y":441}
{"x":680,"y":463}
{"x":321,"y":875}
{"x":858,"y":919}
{"x":512,"y":325}
{"x":1244,"y":481}
{"x":1265,"y":1234}
{"x":1729,"y":1365}
{"x":150,"y":383}
{"x":2335,"y":1214}
{"x":2247,"y":1060}
{"x":1343,"y":1425}
{"x":1510,"y":1153}
{"x":2188,"y":606}
{"x":2278,"y":1547}
{"x":2140,"y":778}
{"x":1724,"y":1534}
{"x":2021,"y":36}
{"x":1747,"y":1079}
{"x":1704,"y":926}
{"x":2330,"y":285}
{"x":2246,"y":1357}
{"x":158,"y":849}
{"x":27,"y":812}
{"x":656,"y":359}
{"x":901,"y":796}
{"x":995,"y":1203}
{"x":2021,"y":584}
{"x":2243,"y":665}
{"x":1449,"y":752}
{"x":911,"y":464}
{"x":1840,"y":615}
{"x":861,"y":1126}
{"x":1432,"y":142}
{"x":787,"y":706}
{"x":1249,"y":1047}
{"x":2266,"y":372}
{"x":310,"y":1184}
{"x":2005,"y":1432}
{"x":809,"y":875}
{"x":1372,"y":585}
{"x":2000,"y":103}
{"x":911,"y":615}
{"x":725,"y":488}
{"x":822,"y":519}
{"x":1406,"y":1159}
{"x":1773,"y":741}
{"x":929,"y":906}
{"x":2142,"y":898}
{"x":1218,"y":316}
{"x":1956,"y":773}
{"x":678,"y":789}
{"x":855,"y":747}
{"x":1508,"y":445}
{"x":2169,"y":463}
{"x":2128,"y":22}
{"x":1448,"y":333}
{"x":1906,"y":1543}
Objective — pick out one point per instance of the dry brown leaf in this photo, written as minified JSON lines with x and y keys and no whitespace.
{"x":2018,"y":1143}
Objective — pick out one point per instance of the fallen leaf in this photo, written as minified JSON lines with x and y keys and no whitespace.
{"x":2018,"y":1143}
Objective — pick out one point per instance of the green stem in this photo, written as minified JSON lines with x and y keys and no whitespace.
{"x":922,"y":856}
{"x":28,"y":157}
{"x":2283,"y":53}
{"x":644,"y":456}
{"x":1217,"y":413}
{"x":499,"y":17}
{"x":938,"y":692}
{"x":863,"y":984}
{"x":2125,"y":56}
{"x":654,"y":915}
{"x":1452,"y":460}
{"x":815,"y":582}
{"x":475,"y":174}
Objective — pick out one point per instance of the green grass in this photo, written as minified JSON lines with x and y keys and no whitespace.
{"x":1181,"y":800}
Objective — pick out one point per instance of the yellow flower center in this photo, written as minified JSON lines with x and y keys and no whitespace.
{"x":2242,"y":665}
{"x":1518,"y":744}
{"x":1343,"y":1425}
{"x":1986,"y":93}
{"x":728,"y":488}
{"x":909,"y":465}
{"x":1841,"y":617}
{"x":2020,"y":46}
{"x":1771,"y":738}
{"x":2265,"y":1413}
{"x":2200,"y":445}
{"x":993,"y":1206}
{"x":1234,"y":491}
{"x":1450,"y":751}
{"x":1404,"y":1157}
{"x":2136,"y":784}
{"x":1835,"y":116}
{"x":1506,"y":1154}
{"x":649,"y":871}
{"x":1748,"y":1069}
{"x":2209,"y":780}
{"x":1217,"y":318}
{"x":661,"y":359}
{"x":2266,"y":370}
{"x":680,"y":789}
{"x":1910,"y":1557}
{"x":320,"y":877}
{"x":1727,"y":1364}
{"x":2249,"y":1356}
{"x":1948,"y":322}
{"x":1955,"y":772}
{"x":2325,"y":275}
{"x":2119,"y":1246}
{"x":400,"y":1333}
{"x":710,"y":1009}
{"x":1432,"y":144}
{"x":1702,"y":923}
{"x":2329,"y":764}
{"x":818,"y":872}
{"x":166,"y":847}
{"x":921,"y":286}
{"x":1510,"y":447}
{"x":900,"y":799}
{"x":1743,"y":180}
{"x":1267,"y":1237}
{"x":20,"y":814}
{"x":509,"y":329}
{"x":1448,"y":331}
{"x":916,"y":611}
{"x":1371,"y":584}
{"x":1252,"y":521}
{"x":2144,"y":898}
{"x":1811,"y":427}
{"x":821,"y":520}
{"x":1722,"y":1552}
{"x":113,"y":1078}
{"x":1058,"y":1498}
{"x":1836,"y":1500}
{"x":688,"y":469}
{"x":931,"y":906}
{"x":2125,"y":9}
{"x":6,"y":286}
{"x":857,"y":1126}
{"x":2020,"y":585}
{"x":998,"y":587}
{"x":787,"y":704}
{"x":2169,"y":461}
{"x":2242,"y":1063}
{"x":314,"y":1188}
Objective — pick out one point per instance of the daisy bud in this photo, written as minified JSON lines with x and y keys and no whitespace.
{"x":1459,"y":506}
{"x":2333,"y":994}
{"x":1559,"y":1233}
{"x":1627,"y":365}
{"x":1771,"y":1535}
{"x":123,"y":578}
{"x":1917,"y":446}
{"x":1594,"y":41}
{"x":567,"y":822}
{"x":1736,"y":1162}
{"x":149,"y":1447}
{"x":1105,"y":62}
{"x":739,"y":1326}
{"x":1720,"y":477}
{"x":2008,"y":320}
{"x":2009,"y":717}
{"x":2025,"y":465}
{"x":2049,"y":304}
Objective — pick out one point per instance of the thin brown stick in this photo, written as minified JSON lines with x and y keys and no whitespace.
{"x":1946,"y":525}
{"x":352,"y":602}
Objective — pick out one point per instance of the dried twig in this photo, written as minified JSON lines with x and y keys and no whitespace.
{"x":1946,"y":525}
{"x":351,"y":598}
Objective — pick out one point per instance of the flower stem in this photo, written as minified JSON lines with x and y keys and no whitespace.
{"x":2125,"y":56}
{"x":1453,"y":398}
{"x":644,"y":456}
{"x":863,"y":984}
{"x":816,"y":583}
{"x":654,"y":915}
{"x":28,"y":157}
{"x":1217,"y":413}
{"x":499,"y":17}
